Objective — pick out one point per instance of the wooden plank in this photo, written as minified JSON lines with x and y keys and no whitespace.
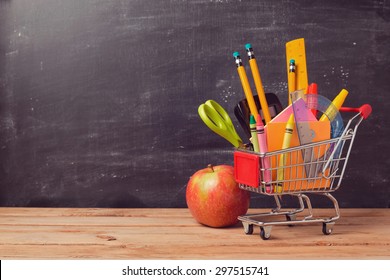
{"x":33,"y":233}
{"x":247,"y":251}
{"x":87,"y":212}
{"x":281,"y":236}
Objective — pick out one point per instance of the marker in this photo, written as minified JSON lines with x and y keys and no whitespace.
{"x":312,"y":102}
{"x":258,"y":83}
{"x":252,"y":125}
{"x":291,"y":77}
{"x":286,"y":144}
{"x":330,"y":113}
{"x":262,"y":139}
{"x":245,"y":84}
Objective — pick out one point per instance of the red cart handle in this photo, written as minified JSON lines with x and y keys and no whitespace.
{"x":364,"y":110}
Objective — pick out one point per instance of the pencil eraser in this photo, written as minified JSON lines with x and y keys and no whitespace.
{"x":248,"y":46}
{"x":292,"y":61}
{"x":235,"y":54}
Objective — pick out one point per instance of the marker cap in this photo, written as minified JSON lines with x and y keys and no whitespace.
{"x":312,"y":88}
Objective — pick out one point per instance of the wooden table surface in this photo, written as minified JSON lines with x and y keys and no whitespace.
{"x":84,"y":233}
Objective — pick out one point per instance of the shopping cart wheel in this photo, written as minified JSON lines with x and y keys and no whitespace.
{"x":265,"y":233}
{"x":291,"y":217}
{"x":248,"y":228}
{"x":327,"y":228}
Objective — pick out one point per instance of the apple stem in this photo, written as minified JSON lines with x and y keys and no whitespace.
{"x":211,"y":167}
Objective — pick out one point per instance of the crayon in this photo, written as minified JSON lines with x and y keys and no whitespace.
{"x":258,"y":83}
{"x":262,"y":139}
{"x":245,"y":84}
{"x":331,"y":113}
{"x":291,"y":79}
{"x":252,"y":125}
{"x":286,"y":144}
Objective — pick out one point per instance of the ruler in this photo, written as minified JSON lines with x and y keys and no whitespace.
{"x":295,"y":49}
{"x":305,"y":133}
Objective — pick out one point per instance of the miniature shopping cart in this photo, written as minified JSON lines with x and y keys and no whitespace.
{"x":321,"y":174}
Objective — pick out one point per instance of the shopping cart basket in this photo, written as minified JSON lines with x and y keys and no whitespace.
{"x":321,"y":174}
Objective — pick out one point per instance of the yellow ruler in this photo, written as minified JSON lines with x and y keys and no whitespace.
{"x":295,"y":49}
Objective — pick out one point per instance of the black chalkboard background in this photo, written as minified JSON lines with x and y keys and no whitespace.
{"x":98,"y":98}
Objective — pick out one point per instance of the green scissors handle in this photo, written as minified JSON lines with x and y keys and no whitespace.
{"x":216,"y":118}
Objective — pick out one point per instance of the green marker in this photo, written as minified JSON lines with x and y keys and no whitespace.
{"x":255,"y":142}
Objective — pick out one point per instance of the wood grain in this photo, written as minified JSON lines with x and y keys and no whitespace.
{"x":64,"y":233}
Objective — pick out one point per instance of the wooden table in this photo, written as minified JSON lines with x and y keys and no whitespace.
{"x":65,"y":233}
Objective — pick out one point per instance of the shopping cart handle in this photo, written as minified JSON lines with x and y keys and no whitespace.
{"x":364,"y":110}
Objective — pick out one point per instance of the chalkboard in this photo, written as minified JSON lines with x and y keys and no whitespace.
{"x":99,"y":98}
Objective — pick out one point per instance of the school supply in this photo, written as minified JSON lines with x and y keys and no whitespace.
{"x":262,"y":139}
{"x":295,"y":50}
{"x":305,"y":133}
{"x":255,"y":143}
{"x":322,"y":184}
{"x":296,"y":154}
{"x":295,"y":173}
{"x":291,"y":78}
{"x":282,"y":158}
{"x":337,"y":103}
{"x":242,"y":110}
{"x":285,"y":114}
{"x":245,"y":84}
{"x":312,"y":89}
{"x":216,"y":118}
{"x":258,"y":83}
{"x":325,"y":106}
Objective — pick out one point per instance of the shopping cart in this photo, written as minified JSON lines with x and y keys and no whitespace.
{"x":321,"y":174}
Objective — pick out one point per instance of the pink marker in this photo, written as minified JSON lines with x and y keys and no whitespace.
{"x":262,"y":139}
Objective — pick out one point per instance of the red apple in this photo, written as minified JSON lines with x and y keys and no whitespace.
{"x":214,"y":198}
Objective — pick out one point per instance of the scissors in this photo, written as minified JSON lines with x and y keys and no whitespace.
{"x":216,"y":118}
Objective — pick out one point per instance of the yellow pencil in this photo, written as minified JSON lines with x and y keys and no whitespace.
{"x":282,"y":159}
{"x":258,"y":83}
{"x":245,"y":84}
{"x":330,"y":113}
{"x":291,"y":80}
{"x":295,"y":49}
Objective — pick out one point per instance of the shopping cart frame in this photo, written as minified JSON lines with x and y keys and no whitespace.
{"x":329,"y":160}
